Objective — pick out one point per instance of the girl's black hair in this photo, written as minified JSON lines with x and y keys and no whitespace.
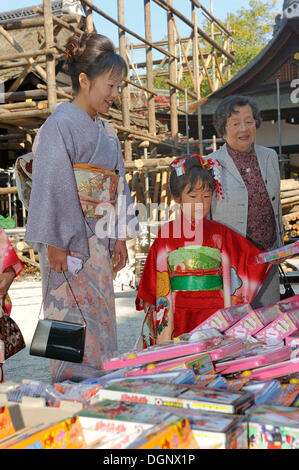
{"x":92,"y":54}
{"x":194,"y":173}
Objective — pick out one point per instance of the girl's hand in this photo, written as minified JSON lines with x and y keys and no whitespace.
{"x":58,"y":258}
{"x":6,"y":279}
{"x":120,"y":255}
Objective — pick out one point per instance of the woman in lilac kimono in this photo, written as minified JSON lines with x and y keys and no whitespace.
{"x":78,"y":173}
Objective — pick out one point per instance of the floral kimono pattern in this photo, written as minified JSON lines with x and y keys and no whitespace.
{"x":184,"y":281}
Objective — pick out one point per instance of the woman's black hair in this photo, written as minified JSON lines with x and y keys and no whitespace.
{"x":94,"y":55}
{"x":227,"y":107}
{"x":194,"y":172}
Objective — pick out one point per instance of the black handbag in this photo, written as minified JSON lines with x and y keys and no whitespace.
{"x":61,"y":340}
{"x":289,"y":292}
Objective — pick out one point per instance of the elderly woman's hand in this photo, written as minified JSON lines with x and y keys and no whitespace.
{"x":120,"y":255}
{"x":6,"y":279}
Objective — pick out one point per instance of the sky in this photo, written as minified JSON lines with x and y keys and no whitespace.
{"x":134,"y":17}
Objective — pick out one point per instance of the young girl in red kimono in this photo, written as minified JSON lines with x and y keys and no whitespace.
{"x":195,"y":265}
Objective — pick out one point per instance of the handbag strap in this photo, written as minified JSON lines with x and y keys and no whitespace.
{"x":72,"y":292}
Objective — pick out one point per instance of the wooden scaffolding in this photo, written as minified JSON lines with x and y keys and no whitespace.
{"x":31,"y":70}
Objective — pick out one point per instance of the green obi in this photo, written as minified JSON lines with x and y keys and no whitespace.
{"x":195,"y":268}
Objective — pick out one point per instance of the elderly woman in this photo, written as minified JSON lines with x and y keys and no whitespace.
{"x":251,"y":185}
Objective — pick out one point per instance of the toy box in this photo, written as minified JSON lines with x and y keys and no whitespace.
{"x":177,"y":396}
{"x":286,"y":324}
{"x":226,"y":432}
{"x":109,"y":417}
{"x":225,"y":317}
{"x":247,"y":326}
{"x":176,"y":435}
{"x":171,"y":349}
{"x":199,"y":363}
{"x":279,"y":369}
{"x":256,"y":357}
{"x":273,"y":427}
{"x":293,"y":340}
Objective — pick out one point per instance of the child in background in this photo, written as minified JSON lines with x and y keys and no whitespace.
{"x":10,"y":267}
{"x":182,"y":281}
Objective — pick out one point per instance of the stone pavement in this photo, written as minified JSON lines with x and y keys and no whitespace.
{"x":26,"y":299}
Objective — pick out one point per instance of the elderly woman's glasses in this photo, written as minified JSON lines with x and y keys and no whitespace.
{"x":238,"y":125}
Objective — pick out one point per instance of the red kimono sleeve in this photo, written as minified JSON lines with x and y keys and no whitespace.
{"x":147,"y":287}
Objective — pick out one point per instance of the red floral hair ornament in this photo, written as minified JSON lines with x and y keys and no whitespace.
{"x":179,"y":166}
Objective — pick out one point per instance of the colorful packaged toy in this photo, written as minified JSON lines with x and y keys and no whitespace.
{"x":171,"y":349}
{"x":273,"y":427}
{"x":178,"y":396}
{"x":286,"y":324}
{"x":278,"y":369}
{"x":285,"y":251}
{"x":109,"y":417}
{"x":177,"y":435}
{"x":225,"y":317}
{"x":256,"y":357}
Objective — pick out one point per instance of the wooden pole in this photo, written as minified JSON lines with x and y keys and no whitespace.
{"x":89,"y":19}
{"x":125,"y":95}
{"x":196,"y":77}
{"x":50,"y":64}
{"x":149,"y":68}
{"x":172,"y":75}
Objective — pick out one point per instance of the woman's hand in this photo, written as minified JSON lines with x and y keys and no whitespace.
{"x":120,"y":255}
{"x":57,"y":259}
{"x":6,"y":278}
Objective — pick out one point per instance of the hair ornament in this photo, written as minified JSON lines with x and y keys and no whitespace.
{"x":179,"y":166}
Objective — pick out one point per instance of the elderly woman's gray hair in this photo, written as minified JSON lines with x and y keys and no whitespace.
{"x":227,"y":107}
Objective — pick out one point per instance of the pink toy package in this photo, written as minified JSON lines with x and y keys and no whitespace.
{"x":200,"y":363}
{"x":171,"y":349}
{"x":278,"y":369}
{"x":286,"y":324}
{"x":225,"y":317}
{"x":247,"y":326}
{"x":293,"y":340}
{"x":256,"y":357}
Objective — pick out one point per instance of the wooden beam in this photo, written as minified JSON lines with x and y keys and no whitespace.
{"x":35,"y":22}
{"x":31,"y":53}
{"x":127,"y":30}
{"x":172,"y":76}
{"x":167,"y":6}
{"x":149,"y":68}
{"x":50,"y":64}
{"x":59,"y":21}
{"x":178,"y":87}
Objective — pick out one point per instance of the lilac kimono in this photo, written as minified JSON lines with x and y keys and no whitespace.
{"x":55,"y":217}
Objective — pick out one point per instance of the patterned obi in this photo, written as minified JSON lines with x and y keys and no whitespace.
{"x":95,"y":187}
{"x":195,"y":268}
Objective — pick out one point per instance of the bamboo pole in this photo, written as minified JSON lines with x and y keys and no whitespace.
{"x":14,"y":116}
{"x":124,"y":28}
{"x":59,"y":21}
{"x":125,"y":94}
{"x":25,"y":54}
{"x":178,"y":87}
{"x":149,"y":68}
{"x":35,"y":22}
{"x":172,"y":76}
{"x":196,"y":76}
{"x":50,"y":64}
{"x":89,"y":19}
